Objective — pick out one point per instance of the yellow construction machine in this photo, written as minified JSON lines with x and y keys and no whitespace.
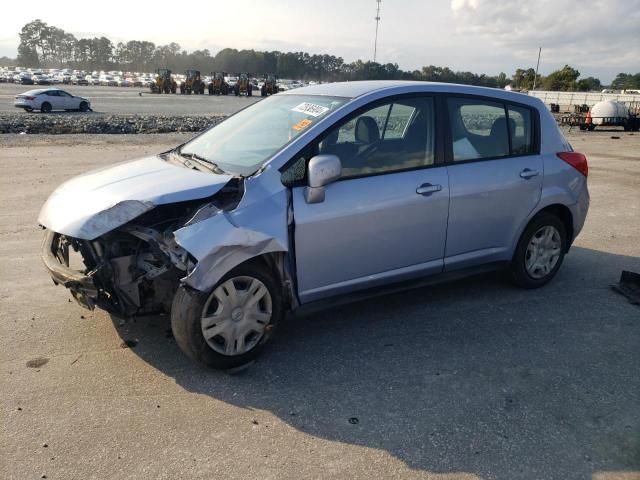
{"x":193,"y":83}
{"x":269,"y":85}
{"x":244,"y":85}
{"x":163,"y":82}
{"x":218,"y":85}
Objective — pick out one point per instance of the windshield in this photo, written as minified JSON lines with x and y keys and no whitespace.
{"x":245,"y":141}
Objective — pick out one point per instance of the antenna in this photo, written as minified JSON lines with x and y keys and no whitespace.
{"x":375,"y":44}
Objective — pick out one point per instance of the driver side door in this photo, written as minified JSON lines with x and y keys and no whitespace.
{"x":385,"y":219}
{"x":67,"y":101}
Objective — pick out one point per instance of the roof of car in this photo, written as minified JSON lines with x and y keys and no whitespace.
{"x":359,"y":88}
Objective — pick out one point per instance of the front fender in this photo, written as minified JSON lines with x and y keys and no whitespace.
{"x":227,"y":239}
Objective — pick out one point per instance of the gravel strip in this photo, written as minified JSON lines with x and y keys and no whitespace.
{"x":56,"y":124}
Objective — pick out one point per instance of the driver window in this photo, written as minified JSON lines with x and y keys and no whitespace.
{"x":391,"y":137}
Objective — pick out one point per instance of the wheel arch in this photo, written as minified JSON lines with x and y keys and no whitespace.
{"x":557,"y":209}
{"x":564,"y":214}
{"x":276,"y":262}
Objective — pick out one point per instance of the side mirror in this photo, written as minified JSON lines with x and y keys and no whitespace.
{"x":322,"y":170}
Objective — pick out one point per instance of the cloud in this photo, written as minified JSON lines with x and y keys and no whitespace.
{"x":591,"y":33}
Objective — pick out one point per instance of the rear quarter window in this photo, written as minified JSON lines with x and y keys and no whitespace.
{"x":485,"y":128}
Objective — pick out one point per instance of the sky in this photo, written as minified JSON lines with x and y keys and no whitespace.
{"x":599,"y":38}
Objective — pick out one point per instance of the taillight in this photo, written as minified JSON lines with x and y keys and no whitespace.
{"x":30,"y":98}
{"x":576,"y":160}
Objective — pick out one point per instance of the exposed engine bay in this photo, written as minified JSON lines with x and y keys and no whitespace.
{"x":136,"y":268}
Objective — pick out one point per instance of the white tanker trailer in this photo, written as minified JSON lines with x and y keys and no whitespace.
{"x":611,"y":114}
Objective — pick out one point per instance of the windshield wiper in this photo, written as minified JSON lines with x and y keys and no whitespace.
{"x":200,"y":160}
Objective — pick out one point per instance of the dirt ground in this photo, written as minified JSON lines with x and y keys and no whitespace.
{"x":470,"y":380}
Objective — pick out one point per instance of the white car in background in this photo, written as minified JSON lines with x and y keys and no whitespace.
{"x":48,"y":99}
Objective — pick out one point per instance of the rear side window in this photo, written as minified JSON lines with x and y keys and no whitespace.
{"x":522,"y":130}
{"x":486,"y":129}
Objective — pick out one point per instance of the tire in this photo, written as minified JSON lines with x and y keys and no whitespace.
{"x":45,"y":107}
{"x":526,"y":251}
{"x":190,"y":305}
{"x":84,"y":106}
{"x":28,"y":109}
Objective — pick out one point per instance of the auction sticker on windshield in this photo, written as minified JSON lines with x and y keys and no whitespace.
{"x":302,"y":124}
{"x":310,"y":109}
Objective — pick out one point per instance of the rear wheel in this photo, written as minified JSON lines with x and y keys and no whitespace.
{"x":28,"y":109}
{"x":228,"y":326}
{"x":540,"y":251}
{"x":45,"y":107}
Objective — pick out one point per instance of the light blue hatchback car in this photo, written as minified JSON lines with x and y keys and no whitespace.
{"x":320,"y":193}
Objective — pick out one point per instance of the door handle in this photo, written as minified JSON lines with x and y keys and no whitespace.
{"x":427,"y":189}
{"x":528,"y":173}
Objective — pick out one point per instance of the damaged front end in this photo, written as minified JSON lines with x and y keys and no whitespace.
{"x":136,"y":268}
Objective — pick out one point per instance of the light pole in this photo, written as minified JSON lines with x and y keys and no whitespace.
{"x":375,"y":43}
{"x":535,"y":78}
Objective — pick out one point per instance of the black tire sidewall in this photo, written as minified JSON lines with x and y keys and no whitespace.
{"x":84,"y":106}
{"x":45,"y":107}
{"x":186,"y":312}
{"x":518,"y":269}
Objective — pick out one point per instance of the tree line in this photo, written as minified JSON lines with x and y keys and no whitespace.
{"x":42,"y":45}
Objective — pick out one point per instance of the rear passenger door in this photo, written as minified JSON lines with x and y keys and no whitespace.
{"x":495,"y":177}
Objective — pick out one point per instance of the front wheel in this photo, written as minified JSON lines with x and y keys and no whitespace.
{"x":540,"y":251}
{"x":228,"y":326}
{"x":84,"y":106}
{"x":45,"y":107}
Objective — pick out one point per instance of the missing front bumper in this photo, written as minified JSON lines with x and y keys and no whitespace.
{"x":56,"y":260}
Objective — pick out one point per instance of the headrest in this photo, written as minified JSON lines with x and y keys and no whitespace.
{"x":499,"y":127}
{"x":367,"y":130}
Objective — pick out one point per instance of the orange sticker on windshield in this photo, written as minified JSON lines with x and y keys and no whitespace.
{"x":302,"y":124}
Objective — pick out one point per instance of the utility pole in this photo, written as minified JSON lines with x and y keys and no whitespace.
{"x":375,"y":44}
{"x":535,"y":79}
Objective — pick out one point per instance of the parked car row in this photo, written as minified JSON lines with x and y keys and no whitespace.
{"x":33,"y":76}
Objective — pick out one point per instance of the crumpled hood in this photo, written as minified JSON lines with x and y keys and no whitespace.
{"x":95,"y":203}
